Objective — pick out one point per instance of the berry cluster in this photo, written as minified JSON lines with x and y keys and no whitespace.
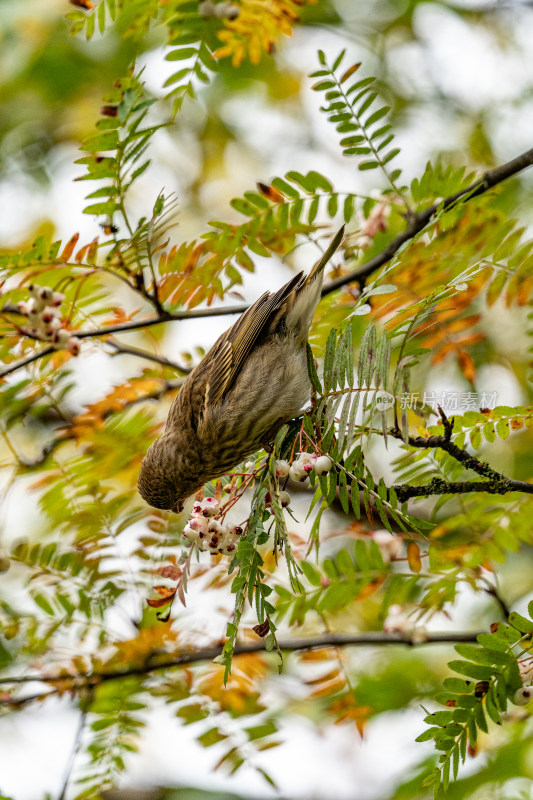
{"x":42,"y":311}
{"x":305,"y":463}
{"x":207,"y":533}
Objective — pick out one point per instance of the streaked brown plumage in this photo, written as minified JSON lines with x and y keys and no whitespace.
{"x":252,"y":380}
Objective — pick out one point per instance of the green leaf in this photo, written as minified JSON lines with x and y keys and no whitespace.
{"x":520,"y":623}
{"x":181,"y":53}
{"x":101,"y":142}
{"x":480,"y":673}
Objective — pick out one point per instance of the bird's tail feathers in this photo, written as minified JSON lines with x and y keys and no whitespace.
{"x":333,"y":247}
{"x":307,"y":293}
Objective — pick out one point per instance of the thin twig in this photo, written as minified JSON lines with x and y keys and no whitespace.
{"x":72,"y":757}
{"x":368,"y":639}
{"x":416,"y":224}
{"x":438,"y":486}
{"x":495,"y":482}
{"x":120,"y":348}
{"x":23,"y":362}
{"x":418,"y":221}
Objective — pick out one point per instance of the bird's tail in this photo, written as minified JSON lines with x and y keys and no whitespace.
{"x":321,"y":263}
{"x":307,"y":292}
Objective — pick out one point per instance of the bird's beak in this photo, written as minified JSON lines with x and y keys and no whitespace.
{"x":178,"y":508}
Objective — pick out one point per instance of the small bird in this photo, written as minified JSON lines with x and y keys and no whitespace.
{"x":252,"y":381}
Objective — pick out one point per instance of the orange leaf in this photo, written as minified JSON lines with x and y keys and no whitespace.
{"x":270,"y":192}
{"x":371,"y":587}
{"x":350,"y":71}
{"x":413,"y":557}
{"x":80,"y":255}
{"x":329,"y":688}
{"x":466,"y":364}
{"x":170,"y":571}
{"x":524,"y":291}
{"x":165,"y":591}
{"x":69,"y":247}
{"x":167,"y":596}
{"x":318,"y":654}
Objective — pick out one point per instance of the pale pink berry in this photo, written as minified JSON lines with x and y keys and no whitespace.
{"x":214,"y":527}
{"x":57,"y":298}
{"x":323,"y":464}
{"x":74,"y":346}
{"x":61,"y":338}
{"x":198,"y":524}
{"x":190,"y":533}
{"x":48,"y":314}
{"x":209,"y":506}
{"x":52,"y":327}
{"x":285,"y":499}
{"x":22,"y":307}
{"x":282,"y":469}
{"x":45,"y":294}
{"x":523,"y":695}
{"x":34,"y":310}
{"x":197,"y":507}
{"x":306,"y":458}
{"x":297,"y":472}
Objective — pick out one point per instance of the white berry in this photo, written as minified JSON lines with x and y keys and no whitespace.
{"x":282,"y":469}
{"x":523,"y":695}
{"x":323,"y":464}
{"x":74,"y":346}
{"x":61,"y":338}
{"x":297,"y":472}
{"x":209,"y":506}
{"x":285,"y":499}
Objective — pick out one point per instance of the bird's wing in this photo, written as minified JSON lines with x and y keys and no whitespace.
{"x":230,"y":352}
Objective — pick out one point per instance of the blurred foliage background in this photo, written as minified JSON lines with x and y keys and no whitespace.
{"x":459,"y":79}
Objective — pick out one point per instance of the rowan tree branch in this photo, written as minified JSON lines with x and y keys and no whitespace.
{"x":80,"y":680}
{"x":419,"y":220}
{"x":494,"y":483}
{"x":416,"y":224}
{"x":23,"y":362}
{"x":440,"y":486}
{"x":122,"y":349}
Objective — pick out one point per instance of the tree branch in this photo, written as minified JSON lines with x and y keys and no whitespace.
{"x":416,"y":224}
{"x":440,"y":486}
{"x":419,"y":220}
{"x":23,"y":362}
{"x":135,"y":351}
{"x":495,"y":482}
{"x":377,"y":638}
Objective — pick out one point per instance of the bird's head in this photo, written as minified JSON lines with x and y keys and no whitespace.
{"x":159,"y":478}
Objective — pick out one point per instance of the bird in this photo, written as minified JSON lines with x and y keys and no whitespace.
{"x":252,"y":381}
